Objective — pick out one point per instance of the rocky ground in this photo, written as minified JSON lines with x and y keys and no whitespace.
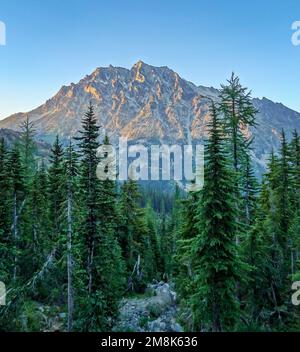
{"x":156,"y":312}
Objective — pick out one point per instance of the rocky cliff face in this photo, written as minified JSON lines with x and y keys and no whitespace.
{"x":148,"y":103}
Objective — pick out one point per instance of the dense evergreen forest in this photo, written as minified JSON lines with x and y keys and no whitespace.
{"x":75,"y":244}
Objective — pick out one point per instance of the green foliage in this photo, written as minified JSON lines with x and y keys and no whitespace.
{"x":217,"y":267}
{"x":70,"y":241}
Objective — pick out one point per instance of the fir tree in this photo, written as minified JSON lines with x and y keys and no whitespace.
{"x":88,"y":144}
{"x":134,"y":236}
{"x":56,"y":173}
{"x":18,"y":201}
{"x":187,"y":232}
{"x":71,"y":172}
{"x":249,"y":193}
{"x":28,"y":149}
{"x":5,"y":218}
{"x":36,"y":225}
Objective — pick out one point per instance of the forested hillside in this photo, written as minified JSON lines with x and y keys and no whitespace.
{"x":72,"y":246}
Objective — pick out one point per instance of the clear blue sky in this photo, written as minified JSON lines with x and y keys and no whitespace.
{"x":56,"y":42}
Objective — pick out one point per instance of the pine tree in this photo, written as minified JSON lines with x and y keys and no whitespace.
{"x":111,"y":269}
{"x":134,"y":236}
{"x":71,"y":172}
{"x":5,"y":221}
{"x":104,"y":265}
{"x":216,"y":264}
{"x":239,"y":116}
{"x":28,"y":149}
{"x":153,"y":255}
{"x":36,"y":225}
{"x":249,"y":193}
{"x":275,"y":226}
{"x":258,"y":249}
{"x":18,"y":201}
{"x":187,"y":232}
{"x":283,"y":192}
{"x":295,"y":170}
{"x":56,"y":173}
{"x":295,"y":203}
{"x":169,"y":242}
{"x":88,"y":144}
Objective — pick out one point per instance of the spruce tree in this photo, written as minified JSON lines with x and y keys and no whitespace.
{"x":28,"y":149}
{"x":103,"y":266}
{"x":88,"y":144}
{"x":18,"y":201}
{"x":134,"y":236}
{"x":71,"y":173}
{"x":187,"y":232}
{"x":56,"y":173}
{"x":294,"y":159}
{"x":249,"y":193}
{"x":111,"y":268}
{"x":216,"y":264}
{"x":37,"y":224}
{"x":5,"y":218}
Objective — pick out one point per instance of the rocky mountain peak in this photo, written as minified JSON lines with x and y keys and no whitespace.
{"x":147,"y":103}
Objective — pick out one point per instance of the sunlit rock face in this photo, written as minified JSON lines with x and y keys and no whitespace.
{"x":149,"y":104}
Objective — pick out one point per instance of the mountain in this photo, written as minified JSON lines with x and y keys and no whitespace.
{"x":148,"y":103}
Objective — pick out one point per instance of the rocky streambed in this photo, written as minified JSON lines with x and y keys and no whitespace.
{"x":156,"y":312}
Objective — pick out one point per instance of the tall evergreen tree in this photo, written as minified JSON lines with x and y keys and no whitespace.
{"x":18,"y":201}
{"x":36,"y":225}
{"x":239,"y":116}
{"x":216,"y":264}
{"x":104,"y":263}
{"x":71,"y":172}
{"x":5,"y":216}
{"x":28,"y":149}
{"x":249,"y":193}
{"x":88,"y":144}
{"x":56,"y":173}
{"x":133,"y":236}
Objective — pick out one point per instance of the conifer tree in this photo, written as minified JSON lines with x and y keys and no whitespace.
{"x":36,"y":225}
{"x":216,"y":264}
{"x":283,"y":192}
{"x":239,"y":116}
{"x":71,"y":173}
{"x":187,"y":232}
{"x":133,"y":236}
{"x":5,"y":216}
{"x":56,"y":173}
{"x":295,"y":170}
{"x":249,"y":193}
{"x":28,"y":149}
{"x":18,"y":201}
{"x":258,"y":249}
{"x":111,"y":269}
{"x":104,"y":266}
{"x":88,"y":144}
